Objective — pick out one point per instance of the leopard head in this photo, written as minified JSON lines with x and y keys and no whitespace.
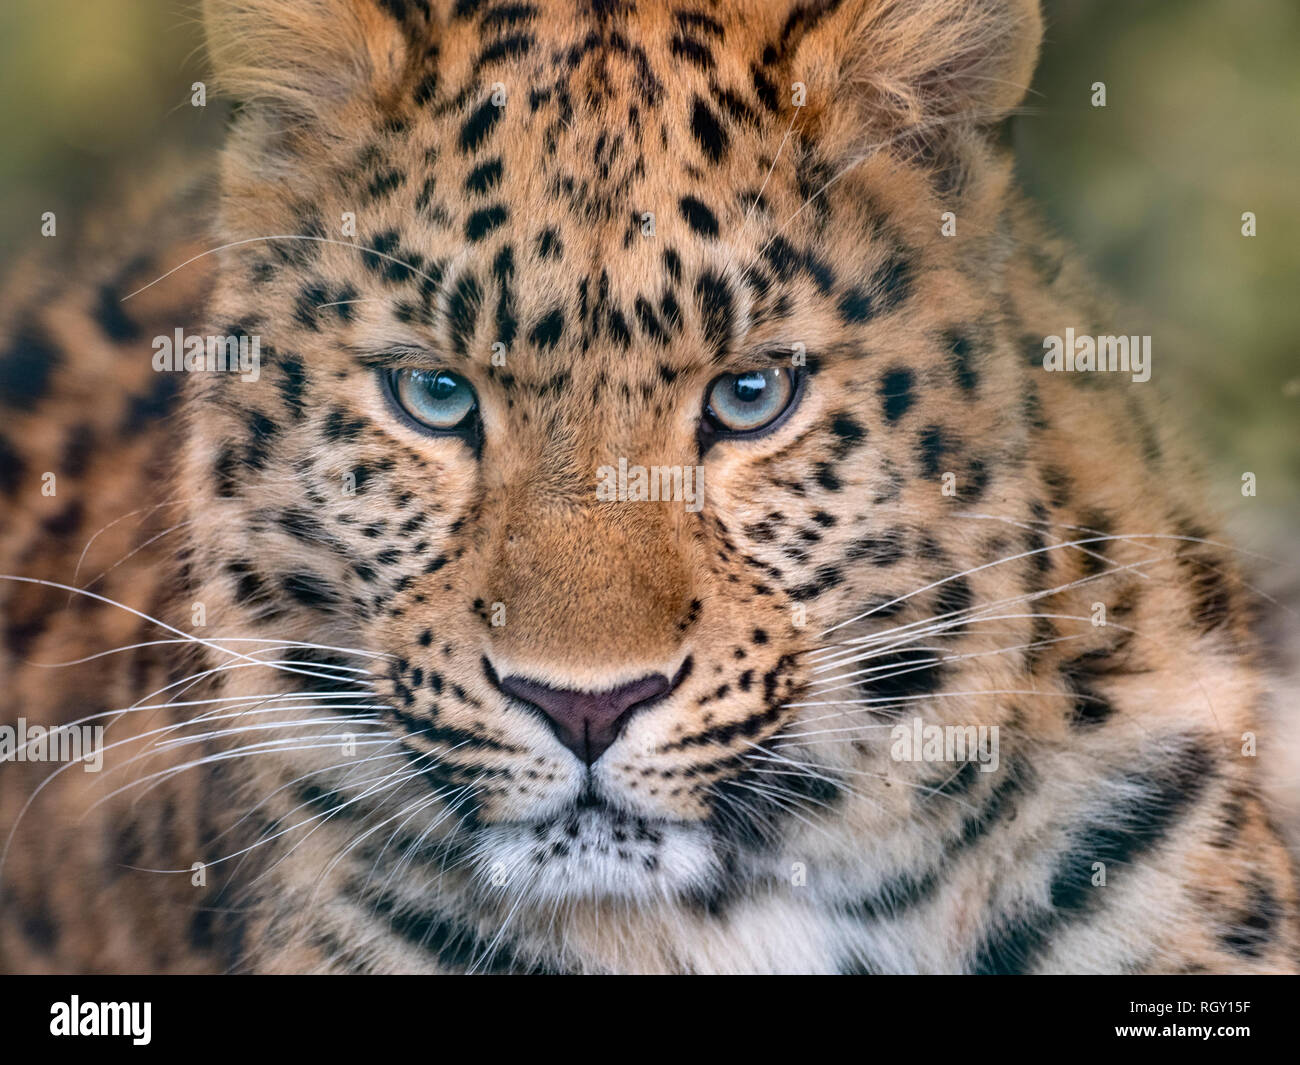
{"x":612,"y":358}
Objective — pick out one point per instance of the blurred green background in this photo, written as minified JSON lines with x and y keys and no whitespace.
{"x":1202,"y":123}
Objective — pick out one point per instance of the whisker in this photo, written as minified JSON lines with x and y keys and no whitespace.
{"x":130,"y":555}
{"x":281,"y":236}
{"x":142,"y":510}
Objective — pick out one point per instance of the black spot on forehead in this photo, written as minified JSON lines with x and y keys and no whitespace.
{"x":764,"y":89}
{"x":735,"y":106}
{"x":893,"y":282}
{"x":383,"y":183}
{"x":463,"y":310}
{"x":855,"y":306}
{"x":386,"y":258}
{"x":693,"y":50}
{"x":699,"y":217}
{"x":484,"y":177}
{"x":717,"y":311}
{"x":708,"y":131}
{"x":507,"y":15}
{"x":814,"y":176}
{"x":510,"y":46}
{"x":650,"y":325}
{"x":546,"y":333}
{"x":426,"y":89}
{"x":479,"y":125}
{"x":503,"y":269}
{"x":484,"y":221}
{"x":549,"y":245}
{"x":616,"y":328}
{"x":699,"y":21}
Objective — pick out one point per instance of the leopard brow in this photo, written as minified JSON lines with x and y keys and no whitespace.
{"x":388,"y":356}
{"x":414,"y":355}
{"x":761,"y":357}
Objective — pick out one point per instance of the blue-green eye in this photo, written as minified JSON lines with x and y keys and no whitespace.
{"x":750,"y":401}
{"x":439,"y":399}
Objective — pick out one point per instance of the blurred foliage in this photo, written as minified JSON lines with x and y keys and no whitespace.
{"x":91,"y":88}
{"x":1201,"y":124}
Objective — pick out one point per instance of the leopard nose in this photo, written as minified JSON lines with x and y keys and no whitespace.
{"x":588,"y":722}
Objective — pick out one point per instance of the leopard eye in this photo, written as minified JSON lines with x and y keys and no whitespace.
{"x":744,"y":403}
{"x":437,"y":399}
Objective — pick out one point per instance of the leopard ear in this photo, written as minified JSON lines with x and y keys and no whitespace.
{"x":900,"y":66}
{"x":311,"y":59}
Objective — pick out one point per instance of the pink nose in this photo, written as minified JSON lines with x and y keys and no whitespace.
{"x":588,"y":722}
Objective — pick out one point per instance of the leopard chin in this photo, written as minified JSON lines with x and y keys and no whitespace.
{"x":592,"y":851}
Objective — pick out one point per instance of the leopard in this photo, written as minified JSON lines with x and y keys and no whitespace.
{"x":635,"y":530}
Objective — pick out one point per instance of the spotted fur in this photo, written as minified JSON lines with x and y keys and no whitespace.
{"x":502,"y":161}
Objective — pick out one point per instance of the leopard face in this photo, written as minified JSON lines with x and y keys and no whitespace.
{"x":495,"y":257}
